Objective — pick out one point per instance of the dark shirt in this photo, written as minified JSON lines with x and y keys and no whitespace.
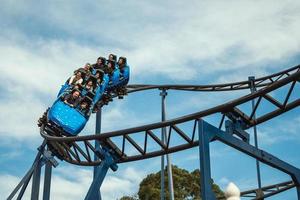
{"x":71,"y":100}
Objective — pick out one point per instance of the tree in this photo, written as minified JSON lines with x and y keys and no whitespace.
{"x":186,"y":186}
{"x":128,"y":198}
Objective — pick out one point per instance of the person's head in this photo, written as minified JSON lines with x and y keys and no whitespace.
{"x":87,"y":66}
{"x":111,"y":64}
{"x":101,"y":61}
{"x":121,"y":61}
{"x":76,"y":86}
{"x":78,"y":74}
{"x":99,"y":74}
{"x":84,"y":104}
{"x":75,"y":94}
{"x":89,"y":84}
{"x":112,"y":57}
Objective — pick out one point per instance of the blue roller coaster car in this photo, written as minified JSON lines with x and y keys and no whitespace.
{"x":70,"y":120}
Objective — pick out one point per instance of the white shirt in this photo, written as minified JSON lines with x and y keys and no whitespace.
{"x":79,"y":81}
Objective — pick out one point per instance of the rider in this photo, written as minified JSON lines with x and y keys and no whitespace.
{"x":112,"y":57}
{"x":77,"y":78}
{"x":84,"y":106}
{"x":99,"y":76}
{"x":88,"y":69}
{"x":110,"y":67}
{"x":122,"y":63}
{"x":72,"y":99}
{"x":100,"y":64}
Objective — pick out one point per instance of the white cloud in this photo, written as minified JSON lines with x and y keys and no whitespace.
{"x":178,"y":41}
{"x":157,"y":42}
{"x":277,"y":133}
{"x":167,"y":41}
{"x":73,"y":183}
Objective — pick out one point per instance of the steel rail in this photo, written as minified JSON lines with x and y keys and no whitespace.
{"x":268,"y":191}
{"x":258,"y":83}
{"x":77,"y":156}
{"x":218,"y":109}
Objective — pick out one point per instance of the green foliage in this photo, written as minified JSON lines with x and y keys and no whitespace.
{"x":186,"y":186}
{"x":128,"y":198}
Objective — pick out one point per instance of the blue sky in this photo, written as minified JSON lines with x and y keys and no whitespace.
{"x":199,"y":42}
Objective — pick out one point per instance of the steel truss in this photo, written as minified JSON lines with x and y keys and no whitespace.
{"x":43,"y":157}
{"x":143,"y":142}
{"x":78,"y":150}
{"x":268,"y":191}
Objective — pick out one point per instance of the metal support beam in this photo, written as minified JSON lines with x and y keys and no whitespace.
{"x":164,"y":136}
{"x":253,"y":89}
{"x":206,"y":183}
{"x":268,"y":191}
{"x":162,"y":168}
{"x":47,"y":181}
{"x":24,"y":185}
{"x":298,"y":191}
{"x":25,"y":180}
{"x":36,"y":177}
{"x":162,"y":176}
{"x":107,"y":162}
{"x":94,"y":189}
{"x":97,"y":147}
{"x":43,"y":157}
{"x":250,"y":150}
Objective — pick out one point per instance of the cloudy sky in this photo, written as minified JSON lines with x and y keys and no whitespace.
{"x":194,"y":42}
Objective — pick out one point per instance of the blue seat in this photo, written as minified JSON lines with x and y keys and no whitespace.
{"x":101,"y":89}
{"x":113,"y":79}
{"x":124,"y":76}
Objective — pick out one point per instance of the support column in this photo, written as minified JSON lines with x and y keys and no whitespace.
{"x":107,"y":161}
{"x":253,"y":89}
{"x":204,"y":140}
{"x":298,"y":191}
{"x":94,"y":191}
{"x":162,"y":176}
{"x":97,"y":147}
{"x":36,"y":177}
{"x":162,"y":169}
{"x":163,"y":95}
{"x":47,"y":181}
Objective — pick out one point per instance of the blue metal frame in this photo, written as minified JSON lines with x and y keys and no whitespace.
{"x":47,"y":181}
{"x":43,"y":157}
{"x":208,"y":133}
{"x":97,"y":169}
{"x":205,"y":178}
{"x":108,"y":161}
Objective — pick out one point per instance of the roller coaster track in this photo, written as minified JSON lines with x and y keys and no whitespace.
{"x":143,"y":142}
{"x":260,"y":82}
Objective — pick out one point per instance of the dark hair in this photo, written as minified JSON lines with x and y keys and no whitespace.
{"x":75,"y":90}
{"x":124,"y":60}
{"x":113,"y":56}
{"x":112,"y":63}
{"x":103,"y":60}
